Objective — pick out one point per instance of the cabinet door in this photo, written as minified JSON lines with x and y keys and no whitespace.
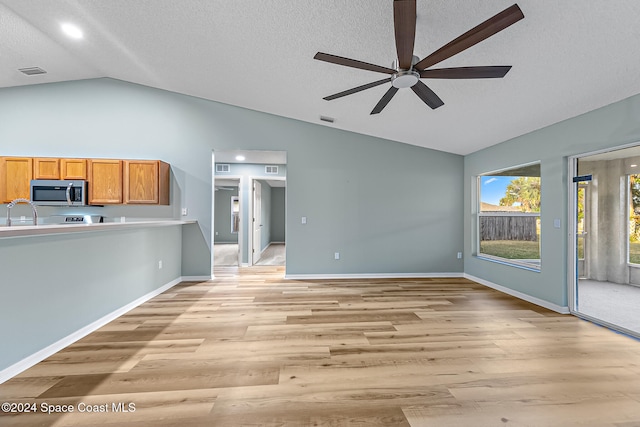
{"x":16,"y":174}
{"x":73,"y":169}
{"x":46,"y":168}
{"x":105,"y":182}
{"x":146,"y":182}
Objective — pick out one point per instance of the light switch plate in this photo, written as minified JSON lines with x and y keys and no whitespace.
{"x":304,"y":219}
{"x":184,"y":211}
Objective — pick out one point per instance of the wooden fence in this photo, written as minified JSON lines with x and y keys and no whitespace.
{"x":509,"y":227}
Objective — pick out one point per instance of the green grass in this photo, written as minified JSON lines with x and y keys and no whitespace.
{"x":511,"y":249}
{"x":634,"y":253}
{"x":515,"y":249}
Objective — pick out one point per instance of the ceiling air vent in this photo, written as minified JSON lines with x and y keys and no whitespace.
{"x":223,"y":167}
{"x":271,"y":170}
{"x":32,"y":71}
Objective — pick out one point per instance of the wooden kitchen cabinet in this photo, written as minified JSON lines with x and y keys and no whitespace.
{"x":52,"y":168}
{"x":16,"y":174}
{"x":73,"y":168}
{"x":46,"y":168}
{"x":105,"y":182}
{"x":146,"y":182}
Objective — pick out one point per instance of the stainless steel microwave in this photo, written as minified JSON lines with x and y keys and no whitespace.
{"x":59,"y":192}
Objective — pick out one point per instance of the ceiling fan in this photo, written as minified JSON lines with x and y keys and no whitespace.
{"x":409,"y":69}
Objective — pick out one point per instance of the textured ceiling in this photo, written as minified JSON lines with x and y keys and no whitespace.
{"x":568,"y":57}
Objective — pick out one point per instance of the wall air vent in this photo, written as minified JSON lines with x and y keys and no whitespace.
{"x":327,"y":119}
{"x":32,"y":71}
{"x":271,"y":170}
{"x":220,"y":167}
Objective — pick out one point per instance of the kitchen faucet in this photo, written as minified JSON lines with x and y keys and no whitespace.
{"x":15,"y":202}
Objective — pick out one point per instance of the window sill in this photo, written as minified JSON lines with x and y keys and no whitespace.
{"x":511,"y":262}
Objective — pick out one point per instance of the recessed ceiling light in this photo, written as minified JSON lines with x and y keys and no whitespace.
{"x":240,"y":158}
{"x":71,"y":30}
{"x":633,"y":166}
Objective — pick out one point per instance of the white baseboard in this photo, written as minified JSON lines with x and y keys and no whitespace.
{"x":40,"y":355}
{"x":370,"y":276}
{"x":537,"y":301}
{"x":196,"y":278}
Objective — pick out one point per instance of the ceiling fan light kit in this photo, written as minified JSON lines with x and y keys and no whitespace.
{"x":409,"y":69}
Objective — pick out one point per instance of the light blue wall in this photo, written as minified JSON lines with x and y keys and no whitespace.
{"x":54,"y":285}
{"x":277,"y":214}
{"x":387,"y":207}
{"x":610,"y":126}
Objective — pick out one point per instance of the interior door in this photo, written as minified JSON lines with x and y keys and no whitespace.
{"x":257,"y":221}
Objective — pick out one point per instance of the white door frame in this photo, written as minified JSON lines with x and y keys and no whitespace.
{"x":250,"y":209}
{"x":572,"y":211}
{"x":256,"y":221}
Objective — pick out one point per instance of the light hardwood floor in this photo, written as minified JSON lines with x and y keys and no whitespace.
{"x":252,"y":349}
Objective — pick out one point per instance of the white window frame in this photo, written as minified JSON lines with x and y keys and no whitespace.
{"x":500,"y":260}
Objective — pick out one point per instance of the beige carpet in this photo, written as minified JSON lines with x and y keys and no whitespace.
{"x":273,"y":255}
{"x":225,"y":254}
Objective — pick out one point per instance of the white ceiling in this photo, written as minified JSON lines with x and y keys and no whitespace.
{"x":568,"y":57}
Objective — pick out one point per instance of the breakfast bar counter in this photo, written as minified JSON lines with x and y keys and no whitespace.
{"x":46,"y":229}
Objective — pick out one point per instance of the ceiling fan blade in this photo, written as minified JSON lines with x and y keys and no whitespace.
{"x":384,"y":100}
{"x":347,"y":62}
{"x":492,"y":72}
{"x":404,"y":22}
{"x":427,"y":95}
{"x":488,"y":28}
{"x":357,"y":89}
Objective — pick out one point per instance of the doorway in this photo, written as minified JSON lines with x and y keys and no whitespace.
{"x":268,"y":205}
{"x":605,"y":213}
{"x":226,"y":247}
{"x":260,"y":178}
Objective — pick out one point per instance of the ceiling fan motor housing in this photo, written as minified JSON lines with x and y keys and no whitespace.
{"x":405,"y":78}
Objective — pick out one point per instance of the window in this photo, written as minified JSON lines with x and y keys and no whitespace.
{"x":634,"y":218}
{"x":509,"y":215}
{"x":235,"y":214}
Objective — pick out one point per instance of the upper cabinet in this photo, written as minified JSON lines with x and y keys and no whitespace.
{"x":110,"y":181}
{"x":46,"y":168}
{"x":105,"y":182}
{"x":73,"y":168}
{"x":16,"y":174}
{"x":146,"y":182}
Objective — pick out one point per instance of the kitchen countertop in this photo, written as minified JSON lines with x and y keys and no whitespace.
{"x":48,"y":229}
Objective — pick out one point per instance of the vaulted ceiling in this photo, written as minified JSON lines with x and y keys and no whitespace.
{"x":568,"y":57}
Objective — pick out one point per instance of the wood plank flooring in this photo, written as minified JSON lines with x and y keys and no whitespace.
{"x":252,"y":349}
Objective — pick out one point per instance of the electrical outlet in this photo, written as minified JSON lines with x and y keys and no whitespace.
{"x":459,"y":255}
{"x":336,"y":255}
{"x":160,"y":265}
